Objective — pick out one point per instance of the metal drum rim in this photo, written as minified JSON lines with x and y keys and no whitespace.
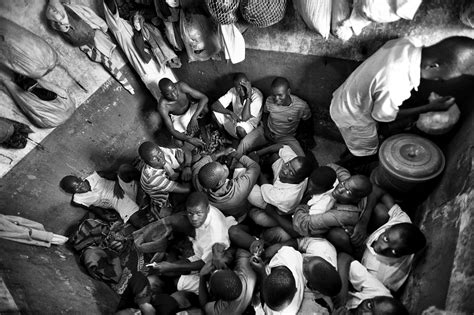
{"x":388,"y":168}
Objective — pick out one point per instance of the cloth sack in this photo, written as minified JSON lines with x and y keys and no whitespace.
{"x":153,"y":237}
{"x":316,"y":14}
{"x":24,"y":52}
{"x":385,"y":11}
{"x":44,"y":114}
{"x":200,"y":35}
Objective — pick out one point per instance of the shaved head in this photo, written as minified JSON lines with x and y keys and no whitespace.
{"x":164,"y":84}
{"x":363,"y":186}
{"x":280,"y":82}
{"x":225,"y":285}
{"x":213,"y":175}
{"x":239,"y":76}
{"x":321,"y":276}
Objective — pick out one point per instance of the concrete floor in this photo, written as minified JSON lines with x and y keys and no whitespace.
{"x":101,"y":134}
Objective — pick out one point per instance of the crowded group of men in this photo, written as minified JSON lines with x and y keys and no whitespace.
{"x":273,"y":232}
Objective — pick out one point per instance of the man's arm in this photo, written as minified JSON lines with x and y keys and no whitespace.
{"x":247,"y":180}
{"x":360,"y":229}
{"x":246,"y":115}
{"x":343,"y":266}
{"x":342,"y":174}
{"x":165,"y":267}
{"x":312,"y":225}
{"x":274,"y":148}
{"x":439,"y":104}
{"x":282,"y":221}
{"x":219,"y":108}
{"x":196,"y":95}
{"x":181,"y":188}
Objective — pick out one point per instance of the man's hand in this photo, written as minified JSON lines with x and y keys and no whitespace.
{"x":359,"y":234}
{"x":118,"y":191}
{"x":271,"y":250}
{"x":257,"y":264}
{"x":442,"y":103}
{"x":207,"y":269}
{"x":234,"y":116}
{"x":236,"y":155}
{"x":254,"y":156}
{"x":179,"y":156}
{"x":161,"y":267}
{"x":193,"y":126}
{"x":196,"y":142}
{"x":186,"y":174}
{"x":248,"y":88}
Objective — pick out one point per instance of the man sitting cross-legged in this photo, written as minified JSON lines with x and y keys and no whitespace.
{"x":350,"y":202}
{"x":208,"y":230}
{"x":160,"y":173}
{"x":227,"y":194}
{"x":246,"y":111}
{"x":367,"y":296}
{"x":179,"y":114}
{"x":282,"y":114}
{"x":275,"y":200}
{"x":230,"y":291}
{"x":96,"y":192}
{"x":389,"y":251}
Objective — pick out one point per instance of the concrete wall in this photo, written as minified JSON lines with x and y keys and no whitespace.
{"x":444,"y":275}
{"x":434,"y":20}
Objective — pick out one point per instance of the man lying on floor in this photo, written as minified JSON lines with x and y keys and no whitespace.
{"x":96,"y":192}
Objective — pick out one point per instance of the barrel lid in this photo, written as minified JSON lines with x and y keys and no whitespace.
{"x":411,"y":157}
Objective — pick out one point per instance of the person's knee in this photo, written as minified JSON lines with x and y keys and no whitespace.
{"x":340,"y":239}
{"x":240,"y":132}
{"x":275,"y":235}
{"x":261,"y":218}
{"x":234,"y":232}
{"x":379,"y":216}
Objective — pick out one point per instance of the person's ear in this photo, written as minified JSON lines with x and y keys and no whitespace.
{"x":288,"y":91}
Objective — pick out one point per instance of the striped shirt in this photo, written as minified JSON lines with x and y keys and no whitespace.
{"x":284,"y":120}
{"x":156,"y":183}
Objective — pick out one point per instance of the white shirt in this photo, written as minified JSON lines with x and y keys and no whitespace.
{"x":365,"y":284}
{"x":320,"y":203}
{"x":316,"y":247}
{"x":293,"y":260}
{"x":375,"y":90}
{"x":102,"y":195}
{"x":319,"y":247}
{"x":284,"y":196}
{"x":215,"y":229}
{"x":232,"y":97}
{"x":391,"y":271}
